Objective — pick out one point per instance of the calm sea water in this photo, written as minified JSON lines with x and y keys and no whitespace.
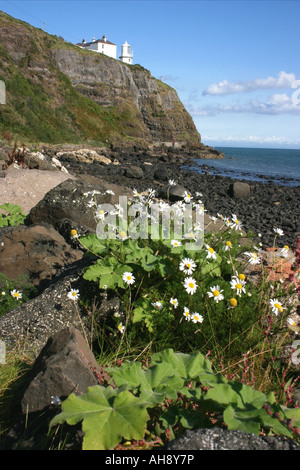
{"x":281,"y":166}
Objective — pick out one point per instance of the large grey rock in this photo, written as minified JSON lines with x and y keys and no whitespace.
{"x":68,"y":206}
{"x":65,"y":365}
{"x":240,"y":190}
{"x":222,"y":439}
{"x":34,"y":321}
{"x":37,"y":252}
{"x":135,"y":172}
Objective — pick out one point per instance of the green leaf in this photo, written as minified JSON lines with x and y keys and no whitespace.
{"x":247,"y":421}
{"x":190,"y":366}
{"x":93,"y":243}
{"x":108,"y":271}
{"x":154,"y":384}
{"x":107,"y":416}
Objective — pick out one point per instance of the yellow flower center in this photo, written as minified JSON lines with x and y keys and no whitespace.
{"x":233,"y":302}
{"x":191,"y":285}
{"x":128,"y":278}
{"x":216,"y":293}
{"x":16,"y":294}
{"x":286,"y":247}
{"x":192,"y":234}
{"x":242,"y":277}
{"x":122,"y":234}
{"x":238,"y":286}
{"x":73,"y":232}
{"x":279,"y":307}
{"x":187,"y":265}
{"x":228,"y":243}
{"x":101,"y":212}
{"x":211,"y":250}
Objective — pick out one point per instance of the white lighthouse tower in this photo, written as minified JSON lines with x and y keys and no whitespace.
{"x":126,"y":54}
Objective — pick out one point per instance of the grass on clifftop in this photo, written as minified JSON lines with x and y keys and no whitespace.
{"x":197,"y":341}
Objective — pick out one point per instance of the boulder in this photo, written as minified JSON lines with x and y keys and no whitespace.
{"x":68,"y":205}
{"x":37,"y":252}
{"x":240,"y":190}
{"x":174,"y":193}
{"x":65,"y":365}
{"x":134,"y":172}
{"x":223,"y":439}
{"x":33,"y":322}
{"x":26,"y":187}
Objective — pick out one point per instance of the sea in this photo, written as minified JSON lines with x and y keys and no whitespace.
{"x":281,"y":166}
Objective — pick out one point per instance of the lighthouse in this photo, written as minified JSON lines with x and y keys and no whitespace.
{"x":126,"y":54}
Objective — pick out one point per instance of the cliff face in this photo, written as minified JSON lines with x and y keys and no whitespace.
{"x":58,"y":92}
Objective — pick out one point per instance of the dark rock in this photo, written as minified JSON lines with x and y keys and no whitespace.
{"x":65,"y":365}
{"x":134,"y":172}
{"x":37,"y":252}
{"x":161,"y":174}
{"x":66,"y":206}
{"x":240,"y":190}
{"x":174,"y":193}
{"x":223,"y":439}
{"x":34,"y":321}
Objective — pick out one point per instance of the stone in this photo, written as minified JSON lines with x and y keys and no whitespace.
{"x":34,"y":321}
{"x":134,"y":172}
{"x":65,"y":365}
{"x":240,"y":190}
{"x":26,"y":187}
{"x":161,"y":174}
{"x":223,"y":439}
{"x":174,"y":193}
{"x":36,"y":252}
{"x":66,"y":206}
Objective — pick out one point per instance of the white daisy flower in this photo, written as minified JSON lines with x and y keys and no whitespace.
{"x":210,"y":252}
{"x":121,"y":328}
{"x":172,"y":183}
{"x":216,"y":293}
{"x":157,"y":305}
{"x":284,"y":251}
{"x":238,"y":285}
{"x":123,"y":235}
{"x":227,"y":245}
{"x":236,"y":224}
{"x":187,"y":266}
{"x":276,"y":306}
{"x":73,"y":294}
{"x":186,"y":313}
{"x":196,"y":318}
{"x":190,"y":285}
{"x":175,"y":243}
{"x":16,"y":294}
{"x":253,"y":257}
{"x":174,"y":302}
{"x":278,"y":231}
{"x":100,"y":213}
{"x":109,"y":191}
{"x":128,"y":278}
{"x":187,"y":197}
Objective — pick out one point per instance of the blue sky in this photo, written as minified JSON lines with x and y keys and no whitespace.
{"x":234,"y":64}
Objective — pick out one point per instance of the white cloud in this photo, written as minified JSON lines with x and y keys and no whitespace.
{"x":279,"y":103}
{"x":250,"y":139}
{"x":283,"y":80}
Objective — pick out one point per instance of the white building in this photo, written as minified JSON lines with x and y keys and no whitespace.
{"x":126,"y":54}
{"x":103,"y":46}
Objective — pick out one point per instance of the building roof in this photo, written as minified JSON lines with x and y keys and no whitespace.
{"x":93,"y":42}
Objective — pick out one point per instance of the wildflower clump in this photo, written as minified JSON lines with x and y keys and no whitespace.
{"x":180,"y":285}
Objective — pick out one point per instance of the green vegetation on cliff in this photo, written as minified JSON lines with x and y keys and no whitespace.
{"x":43,"y":104}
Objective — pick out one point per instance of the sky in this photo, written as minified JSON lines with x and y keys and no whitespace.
{"x":234,"y":64}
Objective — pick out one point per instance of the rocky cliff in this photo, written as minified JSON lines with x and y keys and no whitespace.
{"x":57,"y":92}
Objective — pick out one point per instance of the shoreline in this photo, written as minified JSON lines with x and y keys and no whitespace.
{"x":269,"y":205}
